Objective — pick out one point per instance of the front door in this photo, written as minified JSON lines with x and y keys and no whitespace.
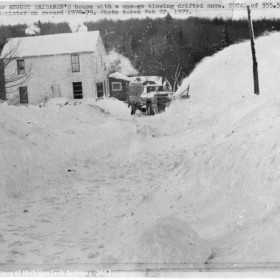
{"x":56,"y":92}
{"x":23,"y":95}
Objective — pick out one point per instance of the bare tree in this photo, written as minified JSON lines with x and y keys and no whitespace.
{"x":11,"y":81}
{"x":176,"y":76}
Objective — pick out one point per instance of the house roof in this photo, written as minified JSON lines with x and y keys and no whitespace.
{"x":63,"y":43}
{"x":119,"y":76}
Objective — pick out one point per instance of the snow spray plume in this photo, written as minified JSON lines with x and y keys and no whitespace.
{"x":32,"y":29}
{"x":78,"y":27}
{"x":119,"y":63}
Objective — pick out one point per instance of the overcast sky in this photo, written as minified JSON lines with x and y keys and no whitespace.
{"x":230,"y":10}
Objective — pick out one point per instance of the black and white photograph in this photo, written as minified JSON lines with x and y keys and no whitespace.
{"x":139,"y":138}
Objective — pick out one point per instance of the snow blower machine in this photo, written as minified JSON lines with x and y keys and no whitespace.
{"x":152,"y":99}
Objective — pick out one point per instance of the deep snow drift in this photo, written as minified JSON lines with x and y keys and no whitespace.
{"x":229,"y":176}
{"x":85,"y":182}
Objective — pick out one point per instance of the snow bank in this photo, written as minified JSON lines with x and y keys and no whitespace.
{"x":111,"y":106}
{"x":221,"y":89}
{"x":60,"y":101}
{"x":38,"y":140}
{"x":229,"y":73}
{"x":167,"y":240}
{"x":116,"y":108}
{"x":228,"y":181}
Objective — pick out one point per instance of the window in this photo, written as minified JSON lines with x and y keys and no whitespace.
{"x":75,"y":61}
{"x":77,"y":90}
{"x":154,"y":88}
{"x":23,"y":95}
{"x":100,"y":91}
{"x":116,"y":86}
{"x":20,"y":67}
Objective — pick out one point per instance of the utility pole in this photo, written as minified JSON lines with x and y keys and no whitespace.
{"x":255,"y":63}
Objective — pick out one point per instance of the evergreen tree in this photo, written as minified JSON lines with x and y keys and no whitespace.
{"x":168,"y":42}
{"x":168,"y":18}
{"x":39,"y":24}
{"x":180,"y":36}
{"x":227,"y":40}
{"x":133,"y":43}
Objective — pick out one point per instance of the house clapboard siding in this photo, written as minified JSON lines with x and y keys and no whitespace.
{"x":68,"y":65}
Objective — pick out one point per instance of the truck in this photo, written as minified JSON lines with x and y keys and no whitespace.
{"x":153,"y":98}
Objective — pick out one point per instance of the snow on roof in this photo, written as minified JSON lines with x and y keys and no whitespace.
{"x":63,"y":43}
{"x":120,"y":76}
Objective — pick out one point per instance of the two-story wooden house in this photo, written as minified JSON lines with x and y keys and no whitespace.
{"x":68,"y":65}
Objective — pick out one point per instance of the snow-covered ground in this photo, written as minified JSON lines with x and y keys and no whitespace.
{"x":84,"y":182}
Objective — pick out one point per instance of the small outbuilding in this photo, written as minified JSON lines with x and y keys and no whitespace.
{"x":119,"y":86}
